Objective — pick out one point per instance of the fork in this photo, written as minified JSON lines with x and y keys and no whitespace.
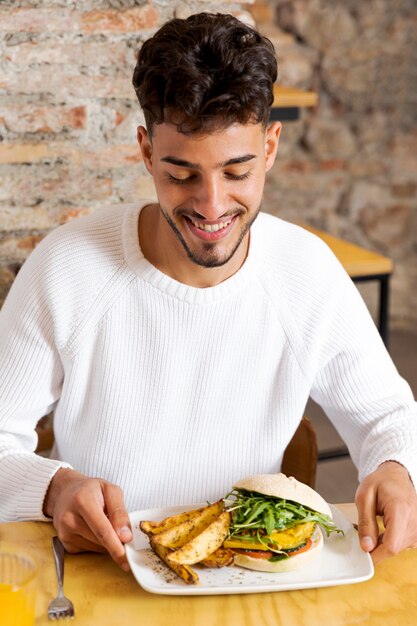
{"x":60,"y":606}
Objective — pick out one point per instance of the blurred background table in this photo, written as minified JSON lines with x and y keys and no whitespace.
{"x":104,"y":595}
{"x":288,"y":101}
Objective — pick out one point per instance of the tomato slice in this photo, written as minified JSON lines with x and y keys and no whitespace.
{"x":304,"y":548}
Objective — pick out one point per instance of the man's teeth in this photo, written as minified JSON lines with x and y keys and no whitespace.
{"x":211,"y":228}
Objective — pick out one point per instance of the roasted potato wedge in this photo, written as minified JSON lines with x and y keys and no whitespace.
{"x":176,"y":536}
{"x":154,"y":528}
{"x":222,"y":557}
{"x":185,"y":572}
{"x":201,"y":545}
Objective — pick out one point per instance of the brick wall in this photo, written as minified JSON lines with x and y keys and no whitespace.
{"x":68,"y":111}
{"x":350,"y":165}
{"x":68,"y":118}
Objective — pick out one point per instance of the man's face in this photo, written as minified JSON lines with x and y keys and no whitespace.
{"x":209,"y":186}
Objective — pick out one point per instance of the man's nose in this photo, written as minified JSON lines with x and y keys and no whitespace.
{"x":210,"y":199}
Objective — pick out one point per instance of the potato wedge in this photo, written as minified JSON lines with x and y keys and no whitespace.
{"x":222,"y":557}
{"x":178,"y":535}
{"x":154,"y":528}
{"x":185,"y":572}
{"x":204,"y":544}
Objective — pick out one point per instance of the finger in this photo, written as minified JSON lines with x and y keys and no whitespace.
{"x":396,"y":522}
{"x":72,"y":525}
{"x":105,"y":534}
{"x":79,"y":544}
{"x":116,"y":512}
{"x":367,"y":524}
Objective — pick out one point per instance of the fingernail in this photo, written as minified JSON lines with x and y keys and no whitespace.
{"x":367,"y":543}
{"x":125,"y":567}
{"x":125,"y":533}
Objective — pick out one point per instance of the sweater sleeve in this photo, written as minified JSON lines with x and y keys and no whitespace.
{"x":356,"y":382}
{"x":31,"y":375}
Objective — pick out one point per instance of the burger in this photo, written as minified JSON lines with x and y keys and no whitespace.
{"x":275,"y":523}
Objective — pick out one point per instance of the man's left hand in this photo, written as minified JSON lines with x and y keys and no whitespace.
{"x":387,"y":492}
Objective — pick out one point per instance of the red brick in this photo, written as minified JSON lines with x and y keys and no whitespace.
{"x":64,"y":215}
{"x":7,"y":276}
{"x":406,"y":190}
{"x":29,"y":242}
{"x":77,"y":117}
{"x":119,"y":118}
{"x":333,"y":164}
{"x":33,"y":119}
{"x":131,"y":20}
{"x":262,"y":12}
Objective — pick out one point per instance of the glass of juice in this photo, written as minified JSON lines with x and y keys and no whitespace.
{"x":18,"y":573}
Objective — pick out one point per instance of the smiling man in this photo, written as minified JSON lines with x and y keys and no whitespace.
{"x":206,"y":206}
{"x":178,"y":341}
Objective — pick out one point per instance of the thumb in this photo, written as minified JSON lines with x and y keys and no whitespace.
{"x":367,"y":524}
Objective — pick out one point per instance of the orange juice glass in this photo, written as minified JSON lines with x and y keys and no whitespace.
{"x":18,"y":575}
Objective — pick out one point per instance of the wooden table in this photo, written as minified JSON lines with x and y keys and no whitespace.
{"x":288,"y":101}
{"x":104,"y":595}
{"x":363,"y":265}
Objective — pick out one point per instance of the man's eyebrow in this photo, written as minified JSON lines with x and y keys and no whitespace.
{"x":181,"y":162}
{"x":240,"y":159}
{"x":195,"y":166}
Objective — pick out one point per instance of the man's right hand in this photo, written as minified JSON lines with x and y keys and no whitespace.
{"x":89,"y":514}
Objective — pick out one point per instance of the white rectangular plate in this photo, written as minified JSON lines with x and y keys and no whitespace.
{"x":341,"y":562}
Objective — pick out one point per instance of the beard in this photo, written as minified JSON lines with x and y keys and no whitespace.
{"x":210,"y":256}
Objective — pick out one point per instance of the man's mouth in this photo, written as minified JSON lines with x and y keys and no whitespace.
{"x":210,"y":231}
{"x":211,"y":228}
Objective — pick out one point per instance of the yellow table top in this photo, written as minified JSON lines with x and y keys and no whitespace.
{"x":356,"y":260}
{"x":104,"y":595}
{"x":292,"y":97}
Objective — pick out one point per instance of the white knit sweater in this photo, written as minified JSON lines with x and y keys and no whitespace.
{"x":175,"y":392}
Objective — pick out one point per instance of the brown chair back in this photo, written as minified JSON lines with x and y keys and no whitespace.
{"x":45,"y":432}
{"x":300,"y":456}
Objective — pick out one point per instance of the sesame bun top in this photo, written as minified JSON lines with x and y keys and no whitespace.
{"x":287,"y":488}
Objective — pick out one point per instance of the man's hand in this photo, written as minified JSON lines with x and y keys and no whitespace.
{"x":390,"y":493}
{"x":89,"y":514}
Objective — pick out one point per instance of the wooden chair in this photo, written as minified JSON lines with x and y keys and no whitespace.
{"x":45,"y":432}
{"x":300,"y":456}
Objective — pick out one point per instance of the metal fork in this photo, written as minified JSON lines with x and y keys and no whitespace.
{"x":61,"y":606}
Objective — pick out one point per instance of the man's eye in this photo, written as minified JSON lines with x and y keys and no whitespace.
{"x":179,"y":181}
{"x":231,"y":176}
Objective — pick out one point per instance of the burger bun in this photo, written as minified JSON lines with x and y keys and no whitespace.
{"x":286,"y":488}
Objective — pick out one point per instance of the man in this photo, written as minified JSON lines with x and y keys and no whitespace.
{"x":178,"y":342}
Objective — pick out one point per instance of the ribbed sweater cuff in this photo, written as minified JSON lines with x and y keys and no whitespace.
{"x":27,"y":486}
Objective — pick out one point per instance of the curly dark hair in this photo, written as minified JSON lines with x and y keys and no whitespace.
{"x":205,"y":72}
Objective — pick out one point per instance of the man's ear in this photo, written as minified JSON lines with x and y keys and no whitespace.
{"x":272,"y":135}
{"x":145,"y":144}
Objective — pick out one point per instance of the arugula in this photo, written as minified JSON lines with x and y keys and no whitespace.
{"x":251,"y":511}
